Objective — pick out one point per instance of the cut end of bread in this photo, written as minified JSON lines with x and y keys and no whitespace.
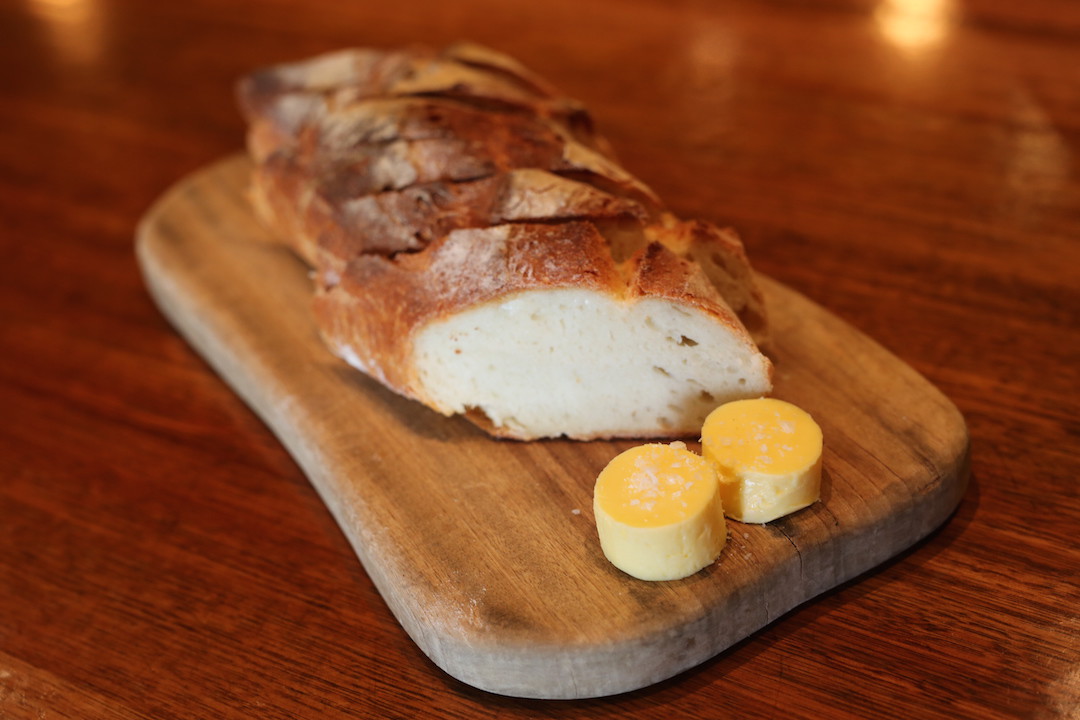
{"x":586,"y":365}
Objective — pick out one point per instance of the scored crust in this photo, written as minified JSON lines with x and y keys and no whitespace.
{"x":279,"y":100}
{"x":473,"y":239}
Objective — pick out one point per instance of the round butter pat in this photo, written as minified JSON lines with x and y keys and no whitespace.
{"x":767,"y":455}
{"x":658,"y":512}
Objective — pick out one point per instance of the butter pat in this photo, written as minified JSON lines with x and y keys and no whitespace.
{"x":768,"y":458}
{"x":658,"y":512}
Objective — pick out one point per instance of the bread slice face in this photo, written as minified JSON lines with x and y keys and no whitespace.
{"x":535,"y":331}
{"x":584,"y":364}
{"x":476,"y":247}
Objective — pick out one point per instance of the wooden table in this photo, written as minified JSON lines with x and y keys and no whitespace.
{"x":911,"y":165}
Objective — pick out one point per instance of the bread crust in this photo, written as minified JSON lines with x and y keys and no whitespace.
{"x":278,"y":101}
{"x":421,"y":184}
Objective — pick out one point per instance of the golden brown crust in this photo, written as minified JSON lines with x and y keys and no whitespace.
{"x":335,"y":173}
{"x":278,"y":101}
{"x":409,"y":219}
{"x":378,"y":145}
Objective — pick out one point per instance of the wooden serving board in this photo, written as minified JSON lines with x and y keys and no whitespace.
{"x":486,"y":550}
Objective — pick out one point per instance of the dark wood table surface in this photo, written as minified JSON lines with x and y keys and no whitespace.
{"x":911,"y":165}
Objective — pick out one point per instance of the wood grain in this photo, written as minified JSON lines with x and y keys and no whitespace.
{"x":486,"y":551}
{"x":909,"y":166}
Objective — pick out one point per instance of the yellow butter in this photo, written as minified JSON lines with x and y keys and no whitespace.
{"x":768,"y":458}
{"x":658,"y":512}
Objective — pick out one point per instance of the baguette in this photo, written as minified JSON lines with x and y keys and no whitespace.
{"x":475,"y":246}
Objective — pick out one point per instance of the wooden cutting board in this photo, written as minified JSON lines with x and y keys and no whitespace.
{"x":486,"y":550}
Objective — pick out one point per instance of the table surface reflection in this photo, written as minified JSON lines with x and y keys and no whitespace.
{"x":911,"y":165}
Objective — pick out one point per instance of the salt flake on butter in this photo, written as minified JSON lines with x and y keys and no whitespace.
{"x":780,"y":474}
{"x":658,"y":512}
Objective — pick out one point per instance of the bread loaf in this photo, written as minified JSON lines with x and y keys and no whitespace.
{"x":476,"y":246}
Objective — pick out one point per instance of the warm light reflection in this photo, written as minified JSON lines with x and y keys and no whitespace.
{"x":712,"y":51}
{"x":1065,"y":692}
{"x":705,"y":78}
{"x":914,"y":25}
{"x":75,"y":27}
{"x":1037,"y":161}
